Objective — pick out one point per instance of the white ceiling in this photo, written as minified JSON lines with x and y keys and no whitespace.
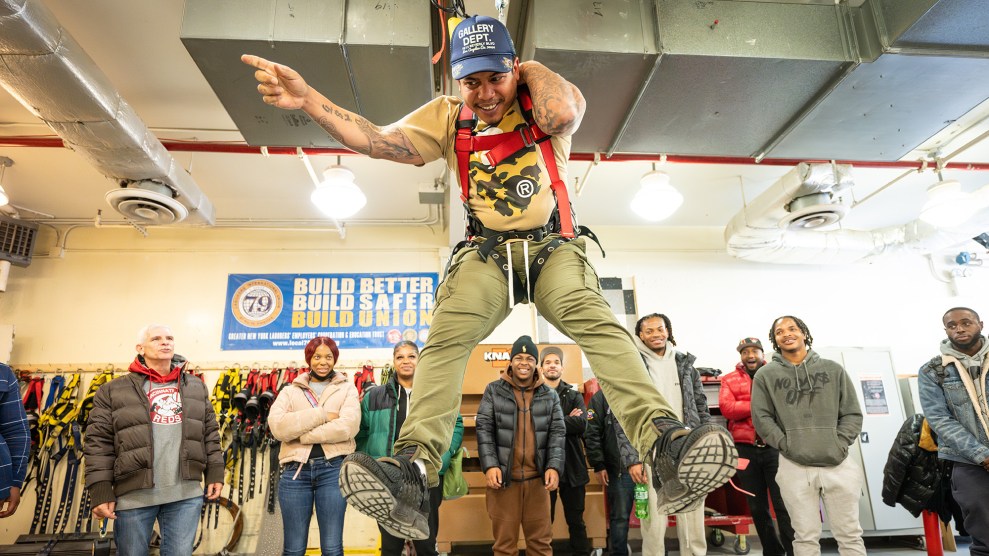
{"x":136,"y":44}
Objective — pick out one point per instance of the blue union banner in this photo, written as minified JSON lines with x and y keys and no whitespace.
{"x":285,"y":311}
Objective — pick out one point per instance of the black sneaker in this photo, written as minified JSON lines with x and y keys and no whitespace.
{"x":391,"y":490}
{"x":687,"y":464}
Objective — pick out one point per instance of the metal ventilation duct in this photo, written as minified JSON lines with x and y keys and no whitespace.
{"x":370,"y":60}
{"x":785,"y":80}
{"x":43,"y":67}
{"x":760,"y":232}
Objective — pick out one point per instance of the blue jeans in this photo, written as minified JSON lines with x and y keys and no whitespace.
{"x":317,"y":483}
{"x":621,"y":492}
{"x":177,"y":523}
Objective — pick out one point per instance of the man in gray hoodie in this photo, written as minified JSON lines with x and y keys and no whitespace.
{"x":952,"y":393}
{"x":806,"y":407}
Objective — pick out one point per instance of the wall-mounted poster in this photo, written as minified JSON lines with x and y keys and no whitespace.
{"x":874,"y":394}
{"x":285,"y":311}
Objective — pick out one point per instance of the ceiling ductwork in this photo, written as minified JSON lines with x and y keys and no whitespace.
{"x":372,"y":58}
{"x":804,"y":80}
{"x":43,"y":67}
{"x":815,"y":210}
{"x":762,"y":231}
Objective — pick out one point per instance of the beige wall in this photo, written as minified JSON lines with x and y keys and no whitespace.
{"x":87,"y":306}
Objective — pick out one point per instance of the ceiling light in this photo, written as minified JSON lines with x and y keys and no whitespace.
{"x":337,"y":195}
{"x":656,"y":199}
{"x":4,"y":163}
{"x":947,"y":205}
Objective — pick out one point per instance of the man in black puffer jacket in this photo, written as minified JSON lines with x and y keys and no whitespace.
{"x":617,"y":466}
{"x":520,"y":442}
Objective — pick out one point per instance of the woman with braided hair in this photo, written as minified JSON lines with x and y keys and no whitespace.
{"x":316,"y":419}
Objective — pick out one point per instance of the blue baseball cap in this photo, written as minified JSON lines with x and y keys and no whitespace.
{"x":480,"y":43}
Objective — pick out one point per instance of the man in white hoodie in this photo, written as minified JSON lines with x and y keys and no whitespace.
{"x":953,"y":395}
{"x":806,"y":407}
{"x":672,"y":373}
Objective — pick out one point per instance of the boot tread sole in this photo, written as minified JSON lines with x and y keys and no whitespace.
{"x":711,"y":460}
{"x":370,"y":495}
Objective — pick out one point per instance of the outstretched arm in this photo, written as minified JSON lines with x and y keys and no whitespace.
{"x":557,"y":105}
{"x":283,"y":87}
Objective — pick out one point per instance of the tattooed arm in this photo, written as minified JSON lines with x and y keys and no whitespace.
{"x":283,"y":87}
{"x":557,"y":104}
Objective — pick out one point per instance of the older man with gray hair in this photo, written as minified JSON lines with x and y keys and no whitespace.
{"x":152,"y":438}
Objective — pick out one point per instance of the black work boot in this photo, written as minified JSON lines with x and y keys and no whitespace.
{"x":687,"y":464}
{"x":392,"y":490}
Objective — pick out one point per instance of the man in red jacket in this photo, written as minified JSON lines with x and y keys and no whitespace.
{"x":735,"y":399}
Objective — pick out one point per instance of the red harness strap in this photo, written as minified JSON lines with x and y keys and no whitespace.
{"x":34,"y":394}
{"x":503,"y":145}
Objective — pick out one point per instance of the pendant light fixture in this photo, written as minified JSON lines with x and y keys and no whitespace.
{"x":337,"y":195}
{"x":656,"y":199}
{"x":947,"y":205}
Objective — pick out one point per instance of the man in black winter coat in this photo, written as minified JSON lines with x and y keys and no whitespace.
{"x":617,"y":466}
{"x":574,"y":478}
{"x":520,"y":442}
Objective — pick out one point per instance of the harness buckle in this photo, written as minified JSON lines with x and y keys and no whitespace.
{"x":528,"y":137}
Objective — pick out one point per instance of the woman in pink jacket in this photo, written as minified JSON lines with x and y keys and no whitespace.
{"x":316,"y":419}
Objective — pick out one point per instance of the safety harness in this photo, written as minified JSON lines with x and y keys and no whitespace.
{"x":364,"y":379}
{"x":288,"y":377}
{"x":563,"y":221}
{"x":58,"y":417}
{"x":82,"y":420}
{"x":59,"y":436}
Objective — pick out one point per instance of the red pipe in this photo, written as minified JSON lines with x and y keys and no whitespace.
{"x":749,"y":161}
{"x":183,"y":146}
{"x":932,"y":534}
{"x":240,"y":148}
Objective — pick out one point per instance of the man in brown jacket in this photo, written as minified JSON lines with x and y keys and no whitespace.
{"x":520,"y":442}
{"x":151,"y":439}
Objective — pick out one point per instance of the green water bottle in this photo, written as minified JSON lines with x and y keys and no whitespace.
{"x":641,"y":501}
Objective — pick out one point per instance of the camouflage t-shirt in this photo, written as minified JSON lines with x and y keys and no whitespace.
{"x":516,"y":194}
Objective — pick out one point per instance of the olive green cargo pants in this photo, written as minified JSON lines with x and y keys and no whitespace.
{"x":473,"y":300}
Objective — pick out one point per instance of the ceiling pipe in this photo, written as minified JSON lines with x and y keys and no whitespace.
{"x":240,"y":148}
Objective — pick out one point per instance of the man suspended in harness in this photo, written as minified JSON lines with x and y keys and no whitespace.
{"x":520,"y":227}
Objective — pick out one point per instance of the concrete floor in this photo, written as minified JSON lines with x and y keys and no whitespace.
{"x":270,"y":540}
{"x":880,"y":546}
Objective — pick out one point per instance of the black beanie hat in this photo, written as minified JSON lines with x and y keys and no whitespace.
{"x":525,"y":345}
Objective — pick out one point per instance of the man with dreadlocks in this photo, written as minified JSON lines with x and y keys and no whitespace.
{"x":506,"y":141}
{"x":673,"y":374}
{"x":806,"y":407}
